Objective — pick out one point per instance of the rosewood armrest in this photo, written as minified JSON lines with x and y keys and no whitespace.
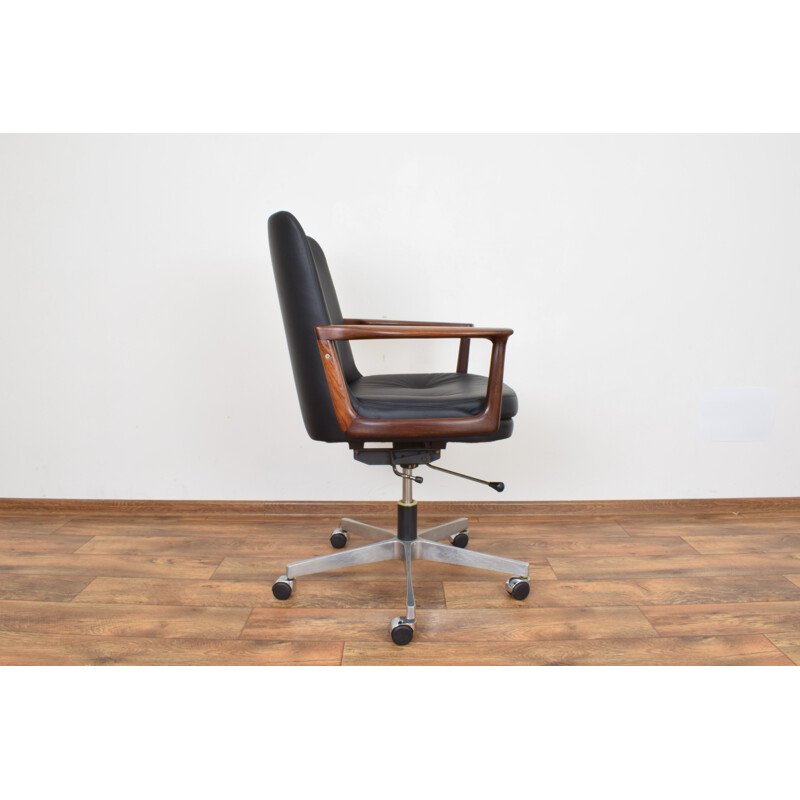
{"x":487,"y":421}
{"x":404,"y":322}
{"x":463,"y":348}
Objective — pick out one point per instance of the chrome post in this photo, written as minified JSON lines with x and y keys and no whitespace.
{"x":408,"y":484}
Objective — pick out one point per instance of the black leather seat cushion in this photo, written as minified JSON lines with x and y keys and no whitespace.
{"x":417,"y":396}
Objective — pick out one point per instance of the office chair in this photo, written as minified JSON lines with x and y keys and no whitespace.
{"x":419,"y":414}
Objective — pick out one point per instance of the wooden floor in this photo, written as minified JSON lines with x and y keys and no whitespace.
{"x":663,"y":589}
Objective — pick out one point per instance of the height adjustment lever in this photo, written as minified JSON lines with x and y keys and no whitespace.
{"x":498,"y":486}
{"x":399,"y":474}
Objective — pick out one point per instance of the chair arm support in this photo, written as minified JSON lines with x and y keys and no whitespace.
{"x":384,"y":331}
{"x":463,"y":348}
{"x":402,"y":322}
{"x":486,"y":422}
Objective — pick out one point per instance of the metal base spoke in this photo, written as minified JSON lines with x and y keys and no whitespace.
{"x":353,"y":526}
{"x":426,"y":547}
{"x":445,"y":553}
{"x":421,"y":549}
{"x":440,"y":532}
{"x":368,"y":554}
{"x":411,"y":605}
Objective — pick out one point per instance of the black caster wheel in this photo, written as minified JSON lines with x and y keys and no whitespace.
{"x":339,"y":538}
{"x":283,"y":587}
{"x":518,"y":588}
{"x":459,"y":539}
{"x":402,"y":632}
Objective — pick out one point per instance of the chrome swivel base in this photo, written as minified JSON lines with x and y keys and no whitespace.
{"x":405,"y":546}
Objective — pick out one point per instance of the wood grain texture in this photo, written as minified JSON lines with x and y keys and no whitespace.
{"x":787,"y":643}
{"x":389,"y":330}
{"x":122,"y":620}
{"x":547,"y":527}
{"x":192,"y":546}
{"x":364,"y":321}
{"x":526,"y":547}
{"x":40,"y":543}
{"x":674,"y":651}
{"x":674,"y":566}
{"x":315,"y":594}
{"x":29,"y":649}
{"x":746,"y":543}
{"x":87,"y":564}
{"x":668,"y":584}
{"x":708,"y":526}
{"x":534,"y":527}
{"x":640,"y":592}
{"x":141,"y":525}
{"x":40,"y":587}
{"x":452,"y":625}
{"x":795,"y":579}
{"x":17,"y":525}
{"x":11,"y":507}
{"x":721,"y":618}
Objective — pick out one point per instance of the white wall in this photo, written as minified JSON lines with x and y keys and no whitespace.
{"x":143,"y":354}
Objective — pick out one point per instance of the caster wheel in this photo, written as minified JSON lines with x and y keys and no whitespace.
{"x":339,"y":538}
{"x":459,"y":539}
{"x":283,"y":587}
{"x":518,"y":588}
{"x":402,"y":632}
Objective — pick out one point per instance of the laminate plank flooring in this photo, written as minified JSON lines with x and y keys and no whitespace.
{"x":83,"y":564}
{"x":673,"y":589}
{"x":789,"y":643}
{"x":680,"y":565}
{"x":712,"y":526}
{"x":745,"y":543}
{"x":41,"y":587}
{"x":78,"y":650}
{"x":640,"y":592}
{"x":19,"y":525}
{"x":531,"y":546}
{"x":122,"y":620}
{"x":451,"y":625}
{"x":720,"y":618}
{"x":257,"y":594}
{"x":209,"y":545}
{"x":40,"y":543}
{"x":674,"y":651}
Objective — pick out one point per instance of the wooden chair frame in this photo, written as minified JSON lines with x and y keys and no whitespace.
{"x":356,"y":426}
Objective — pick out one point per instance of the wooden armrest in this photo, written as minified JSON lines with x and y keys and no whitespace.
{"x":486,"y":422}
{"x":381,"y":331}
{"x":463,"y":349}
{"x":401,"y":322}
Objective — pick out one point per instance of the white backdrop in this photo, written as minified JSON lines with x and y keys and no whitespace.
{"x":652,"y":282}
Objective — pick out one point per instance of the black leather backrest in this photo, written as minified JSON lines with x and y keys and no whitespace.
{"x":349,"y":369}
{"x":307,"y":298}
